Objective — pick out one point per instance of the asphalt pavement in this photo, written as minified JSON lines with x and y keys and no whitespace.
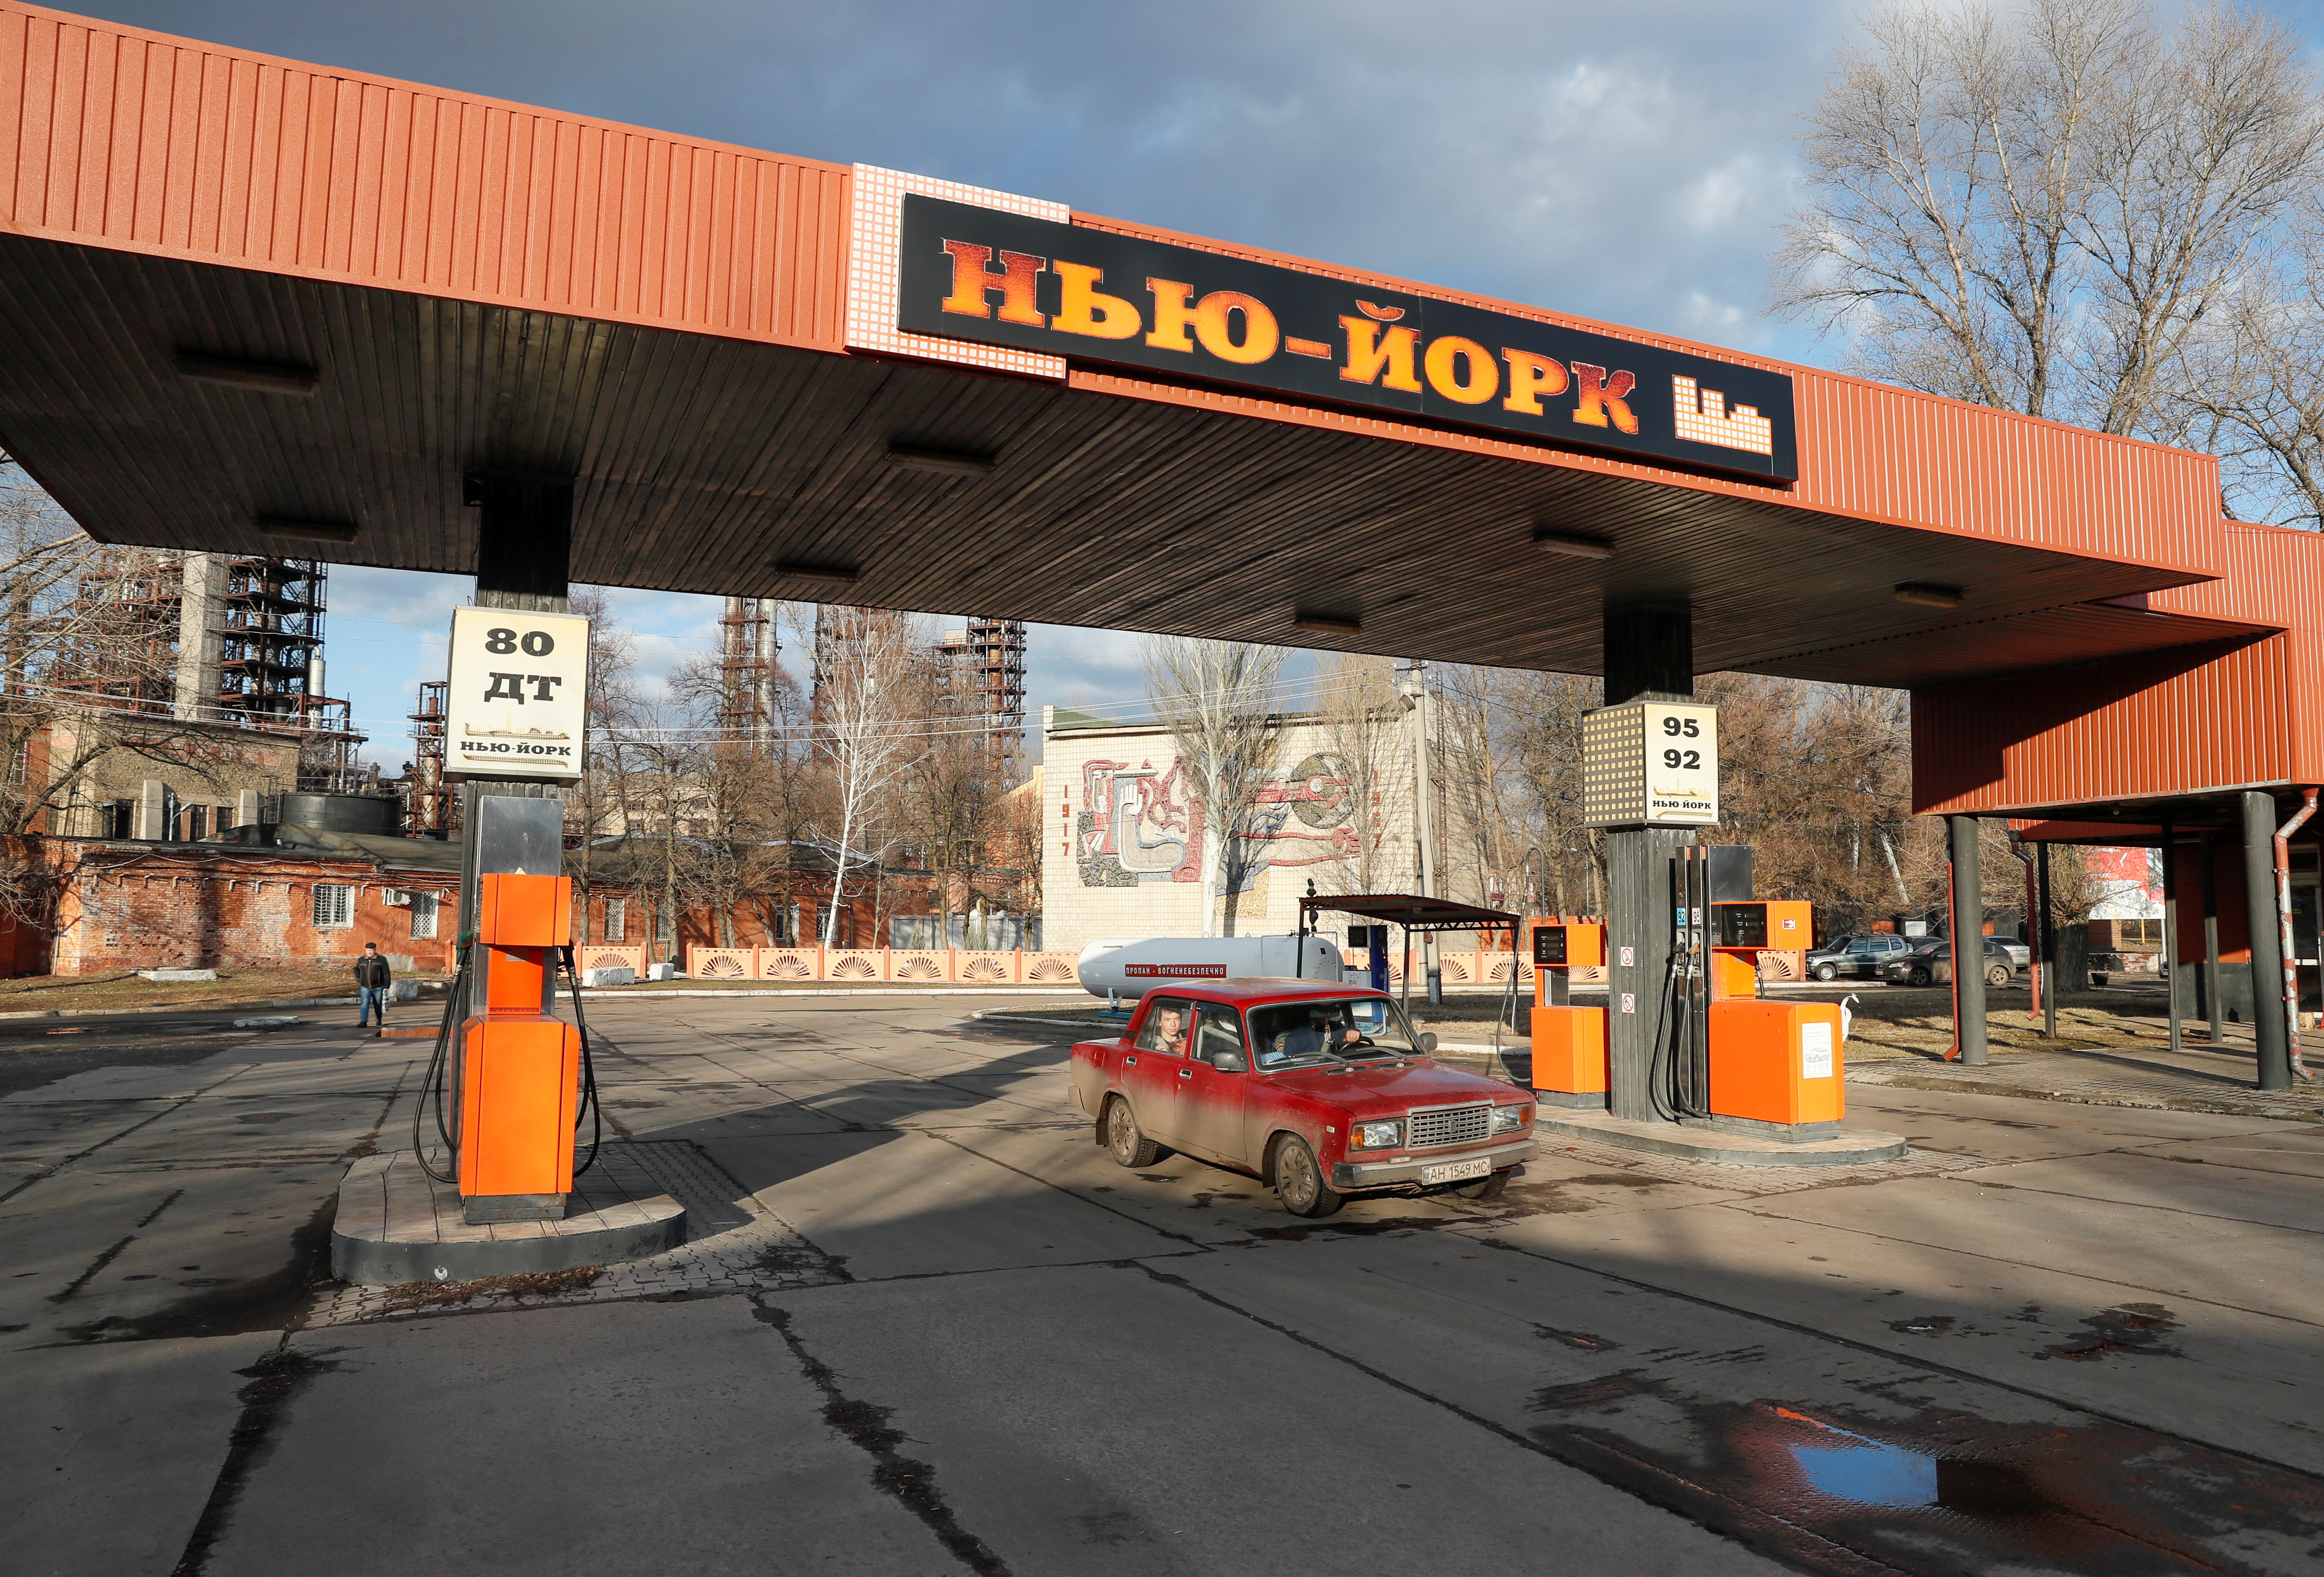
{"x":951,"y":1335}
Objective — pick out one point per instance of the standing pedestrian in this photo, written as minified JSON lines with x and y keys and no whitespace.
{"x":372,"y":979}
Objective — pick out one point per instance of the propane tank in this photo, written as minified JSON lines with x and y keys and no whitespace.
{"x":1135,"y":966}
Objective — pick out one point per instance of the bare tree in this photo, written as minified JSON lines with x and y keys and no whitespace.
{"x":1219,"y":700}
{"x":2037,"y":209}
{"x":866,"y":730}
{"x":1364,"y":729}
{"x":2250,"y":386}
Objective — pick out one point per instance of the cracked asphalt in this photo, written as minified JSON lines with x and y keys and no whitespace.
{"x":2077,"y":1339}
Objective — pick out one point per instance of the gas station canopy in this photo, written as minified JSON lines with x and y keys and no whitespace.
{"x":246,"y":302}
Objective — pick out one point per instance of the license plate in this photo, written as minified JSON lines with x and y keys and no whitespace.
{"x":1453,"y":1171}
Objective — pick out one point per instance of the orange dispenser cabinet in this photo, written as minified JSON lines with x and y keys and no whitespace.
{"x":1775,"y":1068}
{"x":1568,"y":1043}
{"x":1741,"y":932}
{"x":519,"y":1069}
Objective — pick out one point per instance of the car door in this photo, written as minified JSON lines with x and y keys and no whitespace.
{"x":1150,"y":1069}
{"x":1864,"y":956}
{"x":1210,"y":1110}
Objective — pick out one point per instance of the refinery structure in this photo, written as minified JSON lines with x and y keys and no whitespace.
{"x":217,"y":637}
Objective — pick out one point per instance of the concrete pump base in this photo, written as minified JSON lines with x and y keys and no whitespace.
{"x":1696,"y":1143}
{"x":396,"y":1224}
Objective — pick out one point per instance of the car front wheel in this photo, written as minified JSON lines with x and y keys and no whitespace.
{"x":1996,"y":975}
{"x":1826,"y":972}
{"x":1920,"y":977}
{"x":1488,"y":1187}
{"x":1300,"y":1181}
{"x":1130,"y":1146}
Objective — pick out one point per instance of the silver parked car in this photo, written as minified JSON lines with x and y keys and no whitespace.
{"x":1931,"y":963}
{"x":1856,"y":957}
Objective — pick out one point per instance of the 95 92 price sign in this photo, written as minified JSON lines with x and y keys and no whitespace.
{"x":519,"y":694}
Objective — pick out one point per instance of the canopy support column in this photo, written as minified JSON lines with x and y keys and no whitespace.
{"x":1649,"y":652}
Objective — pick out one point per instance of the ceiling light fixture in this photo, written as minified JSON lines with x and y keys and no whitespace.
{"x":265,"y":377}
{"x":1925,"y":593}
{"x":307,"y":531}
{"x":1573,"y":546}
{"x":828,"y":574}
{"x":1326,"y":624}
{"x":940,"y":462}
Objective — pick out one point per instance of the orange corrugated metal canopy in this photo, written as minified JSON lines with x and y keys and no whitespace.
{"x":697,"y":335}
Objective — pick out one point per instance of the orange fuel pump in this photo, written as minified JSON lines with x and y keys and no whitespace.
{"x":1775,"y":1067}
{"x":519,"y":1068}
{"x":1568,"y":1043}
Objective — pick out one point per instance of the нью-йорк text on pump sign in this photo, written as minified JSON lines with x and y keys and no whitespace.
{"x":977,"y":273}
{"x":519,"y":694}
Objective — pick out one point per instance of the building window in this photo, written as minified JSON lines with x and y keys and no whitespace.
{"x":423,"y":915}
{"x":198,"y":823}
{"x":617,"y":920}
{"x":335,"y":907}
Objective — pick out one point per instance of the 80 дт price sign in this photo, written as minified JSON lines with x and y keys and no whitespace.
{"x":519,"y":694}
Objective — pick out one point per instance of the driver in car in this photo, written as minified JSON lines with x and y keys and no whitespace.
{"x":1170,"y":1031}
{"x":1319,"y":1033}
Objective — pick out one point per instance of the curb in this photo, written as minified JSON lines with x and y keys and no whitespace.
{"x":617,"y":993}
{"x":180,"y":1007}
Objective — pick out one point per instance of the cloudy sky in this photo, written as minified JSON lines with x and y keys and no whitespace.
{"x":1628,"y":162}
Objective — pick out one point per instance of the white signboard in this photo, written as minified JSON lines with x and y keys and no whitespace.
{"x":1650,"y":763}
{"x":1815,"y":1051}
{"x":1682,"y":764}
{"x":519,"y":694}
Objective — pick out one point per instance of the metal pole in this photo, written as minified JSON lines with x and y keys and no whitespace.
{"x":2048,"y":952}
{"x":2032,"y":931}
{"x":2170,"y":928}
{"x":1969,"y":943}
{"x":2282,"y":842}
{"x":1424,"y":823}
{"x":2274,"y":1058}
{"x":2209,"y":978}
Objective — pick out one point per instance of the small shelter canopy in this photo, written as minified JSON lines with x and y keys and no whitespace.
{"x":1410,"y":911}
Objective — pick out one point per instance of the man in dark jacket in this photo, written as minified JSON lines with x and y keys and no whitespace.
{"x":373,"y":978}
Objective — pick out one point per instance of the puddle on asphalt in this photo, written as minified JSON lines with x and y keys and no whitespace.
{"x":1946,"y":1494}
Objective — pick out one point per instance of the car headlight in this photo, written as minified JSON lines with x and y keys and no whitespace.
{"x":1377,"y":1136}
{"x":1509,"y":1119}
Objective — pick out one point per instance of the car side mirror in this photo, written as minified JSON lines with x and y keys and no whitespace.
{"x":1428,"y":1040}
{"x":1228,"y":1062}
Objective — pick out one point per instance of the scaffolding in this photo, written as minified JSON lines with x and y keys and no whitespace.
{"x":256,"y":658}
{"x":748,"y":672}
{"x":981,"y":674}
{"x":433,"y":810}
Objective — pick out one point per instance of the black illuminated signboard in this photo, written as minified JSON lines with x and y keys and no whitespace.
{"x":976,"y":273}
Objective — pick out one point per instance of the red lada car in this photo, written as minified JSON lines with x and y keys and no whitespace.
{"x":1322,"y":1091}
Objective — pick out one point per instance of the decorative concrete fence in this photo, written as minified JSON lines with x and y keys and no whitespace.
{"x":855,"y":966}
{"x":611,"y":955}
{"x":928,"y":964}
{"x":720,"y":963}
{"x":788,"y":963}
{"x":1784,"y":965}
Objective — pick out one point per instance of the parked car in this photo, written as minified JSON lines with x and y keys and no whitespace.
{"x":1856,"y":957}
{"x":1931,"y":963}
{"x":1322,"y":1091}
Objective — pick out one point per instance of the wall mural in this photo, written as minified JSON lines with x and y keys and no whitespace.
{"x":1141,"y":824}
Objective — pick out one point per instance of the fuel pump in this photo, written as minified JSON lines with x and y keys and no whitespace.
{"x":1568,"y":1043}
{"x":1773,"y":1066}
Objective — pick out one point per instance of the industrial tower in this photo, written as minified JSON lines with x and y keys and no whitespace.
{"x":221,"y":638}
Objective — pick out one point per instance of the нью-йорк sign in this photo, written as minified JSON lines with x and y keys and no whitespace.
{"x":519,"y":694}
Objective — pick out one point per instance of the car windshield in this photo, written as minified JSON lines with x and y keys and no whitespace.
{"x":1306,"y":1034}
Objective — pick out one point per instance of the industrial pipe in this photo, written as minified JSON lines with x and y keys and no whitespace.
{"x":2283,"y":919}
{"x":2034,"y":920}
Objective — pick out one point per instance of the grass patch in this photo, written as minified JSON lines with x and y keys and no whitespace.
{"x":123,"y":989}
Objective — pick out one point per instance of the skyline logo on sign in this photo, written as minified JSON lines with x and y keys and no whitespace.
{"x":997,"y":278}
